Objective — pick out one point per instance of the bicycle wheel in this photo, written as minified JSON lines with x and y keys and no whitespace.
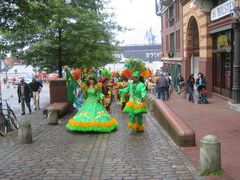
{"x":3,"y":127}
{"x":13,"y":119}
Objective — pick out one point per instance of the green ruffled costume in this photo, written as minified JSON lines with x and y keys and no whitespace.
{"x":135,"y":107}
{"x":92,"y":116}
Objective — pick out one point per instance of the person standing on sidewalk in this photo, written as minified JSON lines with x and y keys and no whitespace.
{"x":136,"y":105}
{"x":180,"y":83}
{"x":24,"y":95}
{"x":36,"y":89}
{"x":162,"y":85}
{"x":190,"y":86}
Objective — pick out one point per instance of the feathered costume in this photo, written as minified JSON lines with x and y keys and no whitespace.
{"x":92,"y":116}
{"x":106,"y":89}
{"x":136,"y":105}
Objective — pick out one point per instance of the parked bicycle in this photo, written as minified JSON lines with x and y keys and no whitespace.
{"x":8,"y":119}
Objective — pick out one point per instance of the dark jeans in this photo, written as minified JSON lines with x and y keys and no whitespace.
{"x":162,"y":93}
{"x":23,"y":102}
{"x":190,"y":91}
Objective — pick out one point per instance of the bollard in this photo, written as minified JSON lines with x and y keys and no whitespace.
{"x":25,"y":133}
{"x":52,"y":117}
{"x":210,"y":155}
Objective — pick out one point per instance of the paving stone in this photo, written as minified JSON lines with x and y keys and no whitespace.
{"x":59,"y":154}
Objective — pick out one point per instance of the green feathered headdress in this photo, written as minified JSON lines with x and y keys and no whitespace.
{"x":135,"y":65}
{"x":106,"y":74}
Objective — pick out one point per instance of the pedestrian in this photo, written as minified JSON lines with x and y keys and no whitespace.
{"x":24,"y":96}
{"x":190,"y":86}
{"x":136,"y":105}
{"x":36,"y":88}
{"x":180,"y":83}
{"x":201,"y":85}
{"x":162,"y":85}
{"x":169,"y":85}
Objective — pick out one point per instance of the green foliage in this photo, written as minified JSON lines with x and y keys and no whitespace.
{"x":53,"y":33}
{"x":215,"y":172}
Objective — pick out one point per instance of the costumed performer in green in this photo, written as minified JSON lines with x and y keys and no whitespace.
{"x":92,"y":116}
{"x":136,"y":105}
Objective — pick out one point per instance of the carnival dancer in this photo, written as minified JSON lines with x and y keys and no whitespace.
{"x":107,"y":88}
{"x":92,"y":116}
{"x":136,"y":105}
{"x":123,"y":98}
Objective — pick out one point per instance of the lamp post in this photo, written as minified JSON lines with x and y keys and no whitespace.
{"x":236,"y":63}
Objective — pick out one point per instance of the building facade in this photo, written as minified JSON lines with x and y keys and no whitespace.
{"x":172,"y":41}
{"x":209,"y":40}
{"x":211,"y":44}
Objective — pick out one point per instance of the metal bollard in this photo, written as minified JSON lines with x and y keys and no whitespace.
{"x":25,"y":133}
{"x":52,"y":117}
{"x":210,"y":154}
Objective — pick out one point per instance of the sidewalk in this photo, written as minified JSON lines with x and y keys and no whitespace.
{"x":215,"y":118}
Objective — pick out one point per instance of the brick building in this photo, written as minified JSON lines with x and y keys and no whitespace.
{"x":211,"y":42}
{"x":172,"y":44}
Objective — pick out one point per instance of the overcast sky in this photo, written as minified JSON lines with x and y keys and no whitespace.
{"x":138,"y":15}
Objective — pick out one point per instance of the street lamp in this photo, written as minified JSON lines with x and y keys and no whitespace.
{"x":236,"y":62}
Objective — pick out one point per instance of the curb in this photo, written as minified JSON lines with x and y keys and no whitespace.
{"x":179,"y":131}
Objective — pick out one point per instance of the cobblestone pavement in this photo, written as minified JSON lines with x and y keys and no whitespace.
{"x":58,"y":154}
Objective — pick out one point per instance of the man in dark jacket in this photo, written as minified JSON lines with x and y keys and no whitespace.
{"x":36,"y":88}
{"x":24,"y":95}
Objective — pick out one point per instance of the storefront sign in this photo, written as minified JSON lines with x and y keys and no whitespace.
{"x":222,"y":10}
{"x":222,"y":41}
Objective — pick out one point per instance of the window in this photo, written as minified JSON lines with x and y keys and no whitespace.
{"x":166,"y":18}
{"x":171,"y":16}
{"x":178,"y":40}
{"x":177,"y":10}
{"x":172,"y":44}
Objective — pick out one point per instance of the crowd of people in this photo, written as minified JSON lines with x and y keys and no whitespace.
{"x":99,"y":90}
{"x":161,"y":85}
{"x":94,"y":93}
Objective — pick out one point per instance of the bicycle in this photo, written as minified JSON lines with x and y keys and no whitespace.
{"x":7,"y":119}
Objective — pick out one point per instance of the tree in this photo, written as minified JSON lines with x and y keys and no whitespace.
{"x":53,"y":33}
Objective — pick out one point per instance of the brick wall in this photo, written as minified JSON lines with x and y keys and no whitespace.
{"x":58,"y":90}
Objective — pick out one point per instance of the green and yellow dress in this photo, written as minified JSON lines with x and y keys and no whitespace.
{"x":92,"y":116}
